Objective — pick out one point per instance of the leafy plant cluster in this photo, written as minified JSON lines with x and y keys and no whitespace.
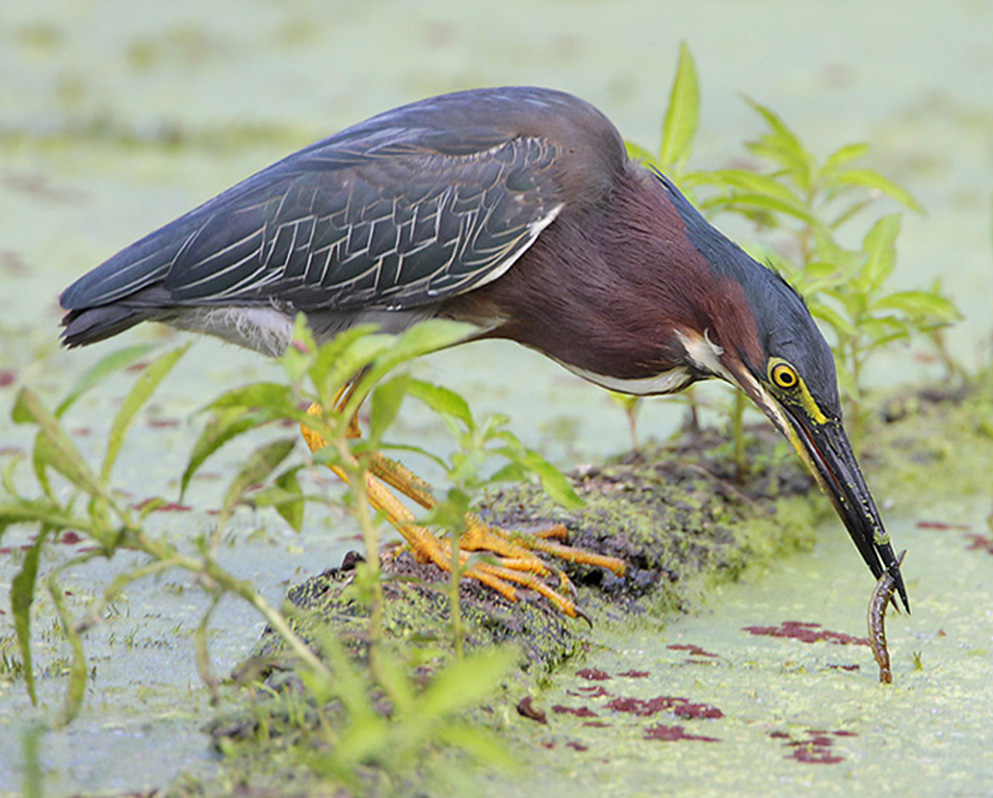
{"x":814,"y":205}
{"x":419,"y":716}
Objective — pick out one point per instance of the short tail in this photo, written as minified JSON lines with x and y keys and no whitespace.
{"x":89,"y":325}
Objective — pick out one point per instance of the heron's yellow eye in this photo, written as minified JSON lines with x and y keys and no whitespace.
{"x":784,"y":375}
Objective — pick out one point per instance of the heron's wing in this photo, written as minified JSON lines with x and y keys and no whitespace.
{"x":383,"y":217}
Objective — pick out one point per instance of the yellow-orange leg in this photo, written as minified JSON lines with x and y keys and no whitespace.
{"x":480,"y":536}
{"x":516,"y":563}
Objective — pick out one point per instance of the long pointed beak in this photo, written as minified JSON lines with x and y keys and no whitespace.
{"x":824,"y":447}
{"x":829,"y":456}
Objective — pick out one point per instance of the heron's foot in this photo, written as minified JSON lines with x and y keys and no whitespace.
{"x":480,"y":536}
{"x":514,"y":561}
{"x":502,"y":573}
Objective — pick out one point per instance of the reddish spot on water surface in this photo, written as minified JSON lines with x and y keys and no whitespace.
{"x":981,"y":543}
{"x":675,"y":733}
{"x":680,"y":707}
{"x":7,"y":377}
{"x":579,"y":712}
{"x":589,"y":692}
{"x":815,"y":748}
{"x":807,"y":632}
{"x":695,"y":651}
{"x":593,"y":675}
{"x":634,"y":674}
{"x":940,"y":525}
{"x":163,"y":422}
{"x":168,"y":507}
{"x":577,"y":746}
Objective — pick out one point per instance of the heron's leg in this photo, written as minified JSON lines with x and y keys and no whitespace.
{"x":480,"y":536}
{"x":516,"y":563}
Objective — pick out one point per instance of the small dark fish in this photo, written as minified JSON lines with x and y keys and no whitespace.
{"x":881,"y":598}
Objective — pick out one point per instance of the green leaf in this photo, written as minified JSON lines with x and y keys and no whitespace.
{"x":57,"y":451}
{"x":919,"y":303}
{"x":842,"y":155}
{"x":848,"y":213}
{"x":339,"y":359}
{"x":21,"y":598}
{"x":140,"y":392}
{"x":869,"y":178}
{"x":841,"y":325}
{"x":271,"y":398}
{"x":226,"y":424}
{"x":421,"y":339}
{"x":746,"y":203}
{"x":879,"y":246}
{"x":292,"y":509}
{"x":384,"y":406}
{"x":441,"y":400}
{"x":754,"y":183}
{"x":76,"y":688}
{"x":103,"y":368}
{"x":463,"y":683}
{"x":479,"y":743}
{"x":260,"y":465}
{"x":682,"y":115}
{"x":40,"y":511}
{"x":782,"y":146}
{"x":553,"y":481}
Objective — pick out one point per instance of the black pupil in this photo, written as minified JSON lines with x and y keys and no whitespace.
{"x":786,"y":378}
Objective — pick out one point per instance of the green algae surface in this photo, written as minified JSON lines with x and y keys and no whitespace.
{"x":112,"y":123}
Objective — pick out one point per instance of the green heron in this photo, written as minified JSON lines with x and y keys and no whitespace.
{"x":517,"y":210}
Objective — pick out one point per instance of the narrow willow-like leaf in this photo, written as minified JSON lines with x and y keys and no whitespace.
{"x":682,"y":114}
{"x":482,"y":744}
{"x":260,"y":465}
{"x":384,"y":406}
{"x":462,"y":683}
{"x":291,"y":506}
{"x":103,"y":368}
{"x":879,"y":245}
{"x":826,"y":313}
{"x":76,"y":688}
{"x":225,"y":425}
{"x":40,"y":511}
{"x":553,"y":481}
{"x":21,"y":597}
{"x":782,"y":146}
{"x":139,"y":394}
{"x":441,"y":400}
{"x":843,"y":155}
{"x":924,"y":303}
{"x":870,"y":178}
{"x":58,"y":450}
{"x":421,"y":339}
{"x":754,"y":183}
{"x":747,"y":203}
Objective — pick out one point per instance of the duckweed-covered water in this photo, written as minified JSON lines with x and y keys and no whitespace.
{"x":114,"y":120}
{"x":756,"y":708}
